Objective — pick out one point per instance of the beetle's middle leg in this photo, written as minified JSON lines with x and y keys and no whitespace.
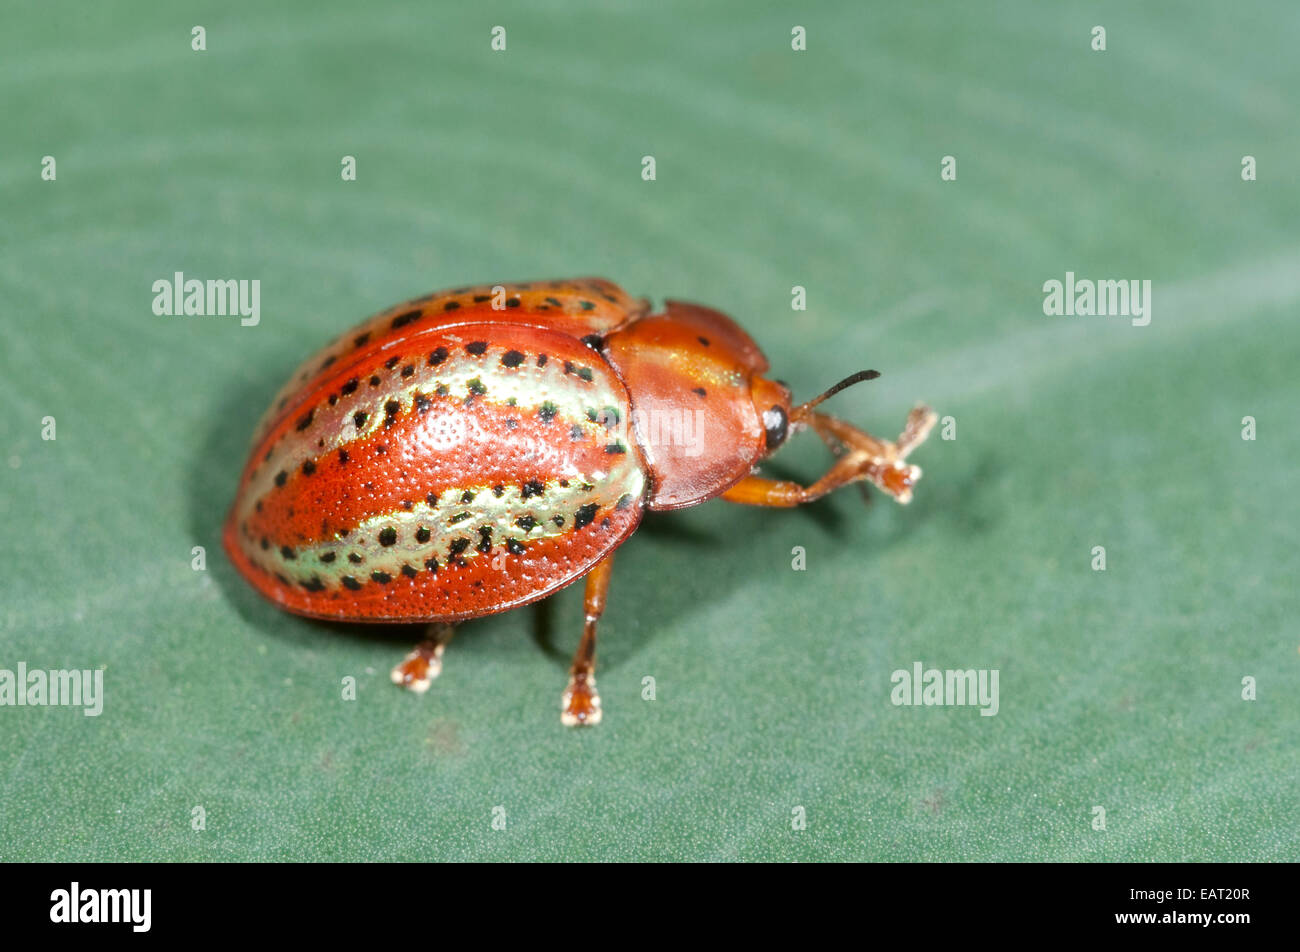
{"x":580,"y":705}
{"x":418,"y":669}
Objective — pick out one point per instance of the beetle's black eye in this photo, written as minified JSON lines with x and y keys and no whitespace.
{"x":776,"y":426}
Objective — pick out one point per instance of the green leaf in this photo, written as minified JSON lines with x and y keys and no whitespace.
{"x":1120,"y":689}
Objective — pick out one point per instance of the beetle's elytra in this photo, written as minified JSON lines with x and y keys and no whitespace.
{"x":477,"y":449}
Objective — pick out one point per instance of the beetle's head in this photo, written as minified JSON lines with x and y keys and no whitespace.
{"x":859,"y":455}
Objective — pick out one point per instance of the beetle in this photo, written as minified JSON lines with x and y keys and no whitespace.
{"x":474,"y":450}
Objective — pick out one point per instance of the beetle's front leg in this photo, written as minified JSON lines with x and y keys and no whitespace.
{"x":862,"y":457}
{"x":424,"y":663}
{"x":580,"y":705}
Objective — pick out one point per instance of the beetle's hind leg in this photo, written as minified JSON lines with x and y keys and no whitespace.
{"x":424,"y":663}
{"x":580,"y":705}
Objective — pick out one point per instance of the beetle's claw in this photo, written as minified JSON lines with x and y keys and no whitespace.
{"x":580,"y":706}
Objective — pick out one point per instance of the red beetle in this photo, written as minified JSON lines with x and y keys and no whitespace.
{"x":475,"y":450}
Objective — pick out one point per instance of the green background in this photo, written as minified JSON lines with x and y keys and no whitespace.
{"x":776,"y":168}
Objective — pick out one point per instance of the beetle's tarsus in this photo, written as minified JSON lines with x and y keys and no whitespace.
{"x":580,"y":705}
{"x":418,"y":669}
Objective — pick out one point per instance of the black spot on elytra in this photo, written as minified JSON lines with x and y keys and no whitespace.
{"x":328,"y":361}
{"x":387,"y":536}
{"x":554,"y":301}
{"x":354,"y":558}
{"x":587,"y":305}
{"x":408,"y":370}
{"x":431,"y":499}
{"x":392,"y":362}
{"x":480,"y":298}
{"x":437,"y":356}
{"x":451,"y":306}
{"x":512,"y":358}
{"x":615,"y":447}
{"x":564,"y":484}
{"x":478,"y":348}
{"x":515,"y":547}
{"x":511,"y":423}
{"x":513,"y":302}
{"x":701,"y":391}
{"x":586,"y":374}
{"x":281,"y":478}
{"x":431,"y":565}
{"x":359,"y":418}
{"x":441,"y":390}
{"x":328,"y":557}
{"x":527,"y":523}
{"x":266,"y":544}
{"x":422,"y":403}
{"x":287,"y":553}
{"x":409,"y":572}
{"x":475,"y":387}
{"x":532,"y":488}
{"x":315,"y":585}
{"x":401,"y":320}
{"x":498,"y":490}
{"x":383,"y":578}
{"x":343,"y":457}
{"x":334,"y":398}
{"x":349,"y":582}
{"x":467,"y":496}
{"x":304,"y":421}
{"x":547,"y":411}
{"x":484,"y":539}
{"x":361,"y":340}
{"x":351,"y":386}
{"x":541,"y":360}
{"x":459,"y":517}
{"x":585,"y":515}
{"x":422,"y":534}
{"x":703,"y":340}
{"x":624,"y":501}
{"x":374,"y":380}
{"x":308,"y":467}
{"x":575,"y":432}
{"x":558,"y":520}
{"x":391,"y":409}
{"x":458,"y":545}
{"x":594,"y":341}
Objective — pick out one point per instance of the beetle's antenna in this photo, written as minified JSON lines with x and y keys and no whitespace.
{"x":847,"y":382}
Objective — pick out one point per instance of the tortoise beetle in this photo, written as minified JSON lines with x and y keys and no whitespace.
{"x":475,"y":450}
